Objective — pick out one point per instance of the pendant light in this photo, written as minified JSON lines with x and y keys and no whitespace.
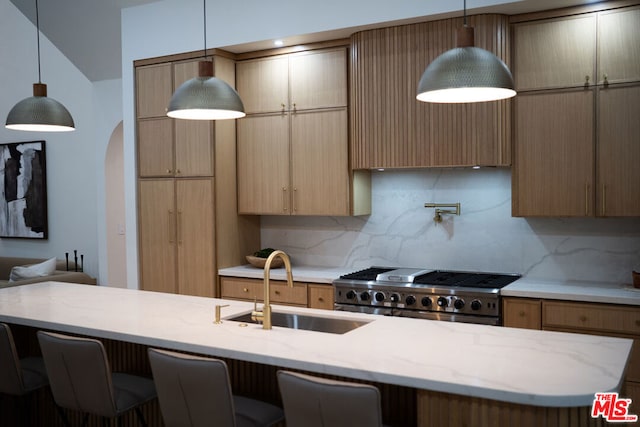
{"x":465,"y":74}
{"x":205,"y":97}
{"x":39,"y":113}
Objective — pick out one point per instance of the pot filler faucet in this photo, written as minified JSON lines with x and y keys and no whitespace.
{"x":439,"y":211}
{"x":264,"y":316}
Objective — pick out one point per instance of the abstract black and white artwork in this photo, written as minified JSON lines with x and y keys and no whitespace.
{"x":23,"y":190}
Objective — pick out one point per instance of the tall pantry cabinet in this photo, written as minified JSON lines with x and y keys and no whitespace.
{"x":182,"y":194}
{"x":576,"y":132}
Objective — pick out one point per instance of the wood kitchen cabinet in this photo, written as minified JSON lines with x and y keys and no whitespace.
{"x":522,"y":313}
{"x":168,"y":147}
{"x":301,"y":295}
{"x":575,"y":142}
{"x":188,"y":224}
{"x":578,"y":50}
{"x":391,"y":129}
{"x":177,"y":241}
{"x":554,"y":154}
{"x":293,"y":144}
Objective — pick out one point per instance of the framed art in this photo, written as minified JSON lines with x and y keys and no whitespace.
{"x":23,"y":190}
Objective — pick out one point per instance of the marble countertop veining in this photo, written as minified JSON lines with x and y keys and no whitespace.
{"x":506,"y":364}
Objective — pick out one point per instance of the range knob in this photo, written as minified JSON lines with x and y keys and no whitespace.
{"x":364,"y":296}
{"x":351,"y":295}
{"x":442,"y":302}
{"x":426,"y":301}
{"x":379,"y":296}
{"x":395,"y":297}
{"x":458,"y":304}
{"x":410,"y":300}
{"x":476,"y":305}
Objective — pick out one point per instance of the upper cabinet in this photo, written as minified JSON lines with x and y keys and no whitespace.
{"x":576,"y":150}
{"x":391,"y":129}
{"x":301,"y":81}
{"x":557,"y":53}
{"x":293,"y":146}
{"x":596,"y":48}
{"x":167,"y":147}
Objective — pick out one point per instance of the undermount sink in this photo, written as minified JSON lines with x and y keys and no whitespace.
{"x":309,"y":323}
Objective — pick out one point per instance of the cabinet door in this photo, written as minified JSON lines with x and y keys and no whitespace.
{"x":522,"y":313}
{"x":263,"y":84}
{"x":318,"y":79}
{"x":619,"y":151}
{"x":554,"y":154}
{"x":263,"y":165}
{"x":195,"y":237}
{"x":555,"y":53}
{"x":193,"y":138}
{"x":157,"y":232}
{"x":320,"y":169}
{"x":619,"y":45}
{"x":320,"y":296}
{"x":153,"y":89}
{"x":155,"y":147}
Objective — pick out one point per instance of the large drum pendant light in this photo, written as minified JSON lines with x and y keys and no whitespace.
{"x":205,"y":97}
{"x":465,"y":74}
{"x":39,"y":113}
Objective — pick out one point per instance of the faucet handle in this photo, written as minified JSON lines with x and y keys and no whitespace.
{"x":217,"y":320}
{"x":257,"y":316}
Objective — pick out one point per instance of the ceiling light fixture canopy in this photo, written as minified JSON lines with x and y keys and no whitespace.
{"x":465,"y":74}
{"x":205,"y":97}
{"x":38,"y":112}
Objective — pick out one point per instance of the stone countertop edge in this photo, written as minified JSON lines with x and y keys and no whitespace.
{"x":573,"y":290}
{"x":307,"y":274}
{"x":530,"y":367}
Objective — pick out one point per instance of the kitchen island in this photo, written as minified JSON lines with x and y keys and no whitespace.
{"x":522,"y":368}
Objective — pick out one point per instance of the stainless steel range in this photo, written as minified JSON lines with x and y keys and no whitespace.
{"x":428,"y":294}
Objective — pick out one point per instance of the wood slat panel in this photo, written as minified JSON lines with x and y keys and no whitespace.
{"x":390,"y":128}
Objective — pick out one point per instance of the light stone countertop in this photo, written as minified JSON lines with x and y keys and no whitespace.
{"x":612,"y":293}
{"x":573,"y":290}
{"x":513,"y":365}
{"x":300,"y":273}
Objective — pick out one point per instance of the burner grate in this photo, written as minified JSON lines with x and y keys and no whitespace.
{"x":366,"y":274}
{"x":465,"y":279}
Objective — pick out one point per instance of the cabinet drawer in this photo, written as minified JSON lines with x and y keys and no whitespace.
{"x":320,"y":296}
{"x":522,"y":313}
{"x":241,"y":289}
{"x":593,"y":317}
{"x":281,"y":293}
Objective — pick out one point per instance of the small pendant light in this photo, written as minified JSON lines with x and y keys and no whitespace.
{"x":465,"y":74}
{"x":39,"y":113}
{"x":205,"y":97}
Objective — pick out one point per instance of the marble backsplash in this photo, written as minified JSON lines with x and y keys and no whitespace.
{"x":401,"y":232}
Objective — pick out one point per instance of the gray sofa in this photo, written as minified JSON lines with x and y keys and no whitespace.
{"x":59,"y":275}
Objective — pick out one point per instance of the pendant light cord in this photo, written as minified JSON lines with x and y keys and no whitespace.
{"x":465,"y":13}
{"x":38,"y":29}
{"x":204,"y":5}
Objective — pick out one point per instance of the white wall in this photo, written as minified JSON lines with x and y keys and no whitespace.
{"x":401,"y":232}
{"x":70,"y":156}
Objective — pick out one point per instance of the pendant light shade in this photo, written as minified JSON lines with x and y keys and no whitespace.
{"x":465,"y":74}
{"x":205,"y":98}
{"x":39,"y":113}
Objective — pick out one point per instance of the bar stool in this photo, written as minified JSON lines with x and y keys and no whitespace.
{"x":195,"y":391}
{"x":81,"y":379}
{"x":316,"y":402}
{"x":19,"y":377}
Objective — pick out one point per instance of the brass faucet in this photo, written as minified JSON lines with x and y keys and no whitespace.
{"x":265,"y":314}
